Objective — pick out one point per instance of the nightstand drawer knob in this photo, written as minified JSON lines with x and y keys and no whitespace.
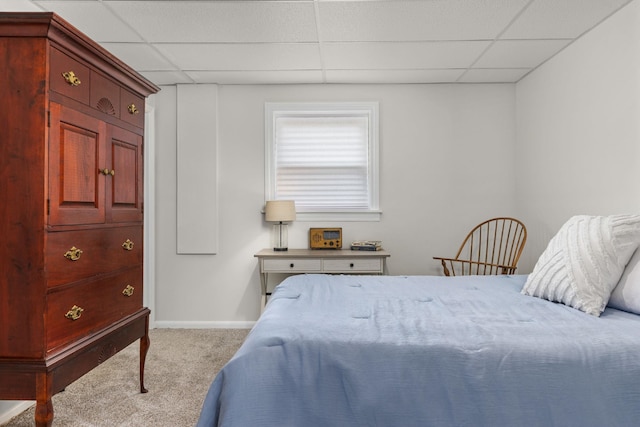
{"x":74,"y":313}
{"x":291,"y":265}
{"x":128,"y":291}
{"x":351,"y":265}
{"x":73,"y":254}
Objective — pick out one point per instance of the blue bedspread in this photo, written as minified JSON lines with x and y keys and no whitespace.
{"x":427,"y":351}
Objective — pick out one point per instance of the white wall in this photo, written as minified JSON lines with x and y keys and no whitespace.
{"x":578,"y":131}
{"x":447,"y":163}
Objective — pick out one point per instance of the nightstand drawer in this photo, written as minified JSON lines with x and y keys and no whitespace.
{"x":293,"y":265}
{"x":353,"y":265}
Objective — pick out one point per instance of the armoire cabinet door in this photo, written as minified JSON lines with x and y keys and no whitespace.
{"x":124,"y":188}
{"x":76,"y":158}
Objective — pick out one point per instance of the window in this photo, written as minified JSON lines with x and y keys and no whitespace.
{"x":325,"y":157}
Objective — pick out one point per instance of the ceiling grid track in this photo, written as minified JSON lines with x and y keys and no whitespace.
{"x":496,"y":38}
{"x":316,"y":12}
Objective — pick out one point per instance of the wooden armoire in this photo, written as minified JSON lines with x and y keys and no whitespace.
{"x":71,"y":208}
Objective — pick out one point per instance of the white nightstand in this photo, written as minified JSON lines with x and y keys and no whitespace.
{"x":327,"y":261}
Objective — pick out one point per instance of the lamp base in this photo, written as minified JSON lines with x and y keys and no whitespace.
{"x":280,"y":249}
{"x":280,"y":237}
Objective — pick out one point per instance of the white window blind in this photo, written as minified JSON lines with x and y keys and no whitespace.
{"x":324,"y":157}
{"x":322,"y":162}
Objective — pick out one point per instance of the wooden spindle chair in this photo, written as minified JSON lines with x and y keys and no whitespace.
{"x":492,"y":247}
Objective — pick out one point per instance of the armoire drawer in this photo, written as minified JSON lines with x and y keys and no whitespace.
{"x":69,"y":77}
{"x":131,"y":108}
{"x":80,"y":254}
{"x":105,"y":94}
{"x":76,"y":311}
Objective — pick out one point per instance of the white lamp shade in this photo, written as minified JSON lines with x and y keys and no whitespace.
{"x":280,"y":211}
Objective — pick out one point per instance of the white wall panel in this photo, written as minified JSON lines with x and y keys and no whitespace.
{"x":197,"y":169}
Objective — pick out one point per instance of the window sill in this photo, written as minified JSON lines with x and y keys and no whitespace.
{"x":339,"y":216}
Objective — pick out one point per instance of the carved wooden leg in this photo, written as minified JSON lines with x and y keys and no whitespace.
{"x":444,"y":265}
{"x":144,"y":348}
{"x":44,"y":406}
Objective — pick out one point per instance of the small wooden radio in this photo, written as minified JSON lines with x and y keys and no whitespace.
{"x":325,"y":238}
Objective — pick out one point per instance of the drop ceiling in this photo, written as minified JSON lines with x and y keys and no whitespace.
{"x":330,"y":41}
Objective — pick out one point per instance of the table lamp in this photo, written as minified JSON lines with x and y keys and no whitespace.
{"x":280,"y":212}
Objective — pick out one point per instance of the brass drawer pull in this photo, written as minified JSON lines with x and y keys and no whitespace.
{"x":73,"y":254}
{"x":133,"y":109}
{"x":71,"y":78}
{"x":74,"y":313}
{"x":106,"y":171}
{"x":128,"y":291}
{"x":127,"y":245}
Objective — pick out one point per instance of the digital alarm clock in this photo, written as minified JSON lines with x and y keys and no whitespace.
{"x":325,"y":238}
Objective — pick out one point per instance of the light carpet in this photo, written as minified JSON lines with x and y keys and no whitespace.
{"x":181,"y":364}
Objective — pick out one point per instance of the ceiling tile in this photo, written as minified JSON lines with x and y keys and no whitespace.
{"x":493,"y":75}
{"x":257,"y":77}
{"x":319,"y":41}
{"x":140,"y":56}
{"x":94,"y":19}
{"x":553,"y":19}
{"x":415,"y":20}
{"x":519,"y":53}
{"x":392,"y":76}
{"x":219,"y":21}
{"x":412,"y":55}
{"x":239,"y":56}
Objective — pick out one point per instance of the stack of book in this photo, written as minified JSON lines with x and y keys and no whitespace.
{"x":366,"y":245}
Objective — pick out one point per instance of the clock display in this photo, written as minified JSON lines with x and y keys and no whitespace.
{"x":331,"y":234}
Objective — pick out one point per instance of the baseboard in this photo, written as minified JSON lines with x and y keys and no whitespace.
{"x":177,"y":324}
{"x":14,"y":410}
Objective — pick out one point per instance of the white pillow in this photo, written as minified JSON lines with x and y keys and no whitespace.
{"x":626,"y":294}
{"x":584,"y":261}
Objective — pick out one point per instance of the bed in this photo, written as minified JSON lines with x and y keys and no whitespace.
{"x":428,"y":351}
{"x":557,"y":347}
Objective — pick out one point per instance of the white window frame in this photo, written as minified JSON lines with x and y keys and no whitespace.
{"x":274,"y":110}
